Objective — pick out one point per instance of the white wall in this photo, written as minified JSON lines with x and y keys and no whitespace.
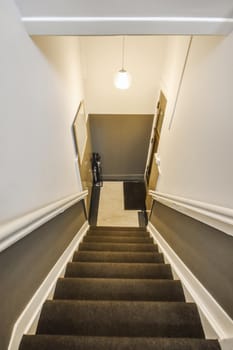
{"x":174,"y":60}
{"x":40,"y":90}
{"x":102,"y":59}
{"x":196,"y":159}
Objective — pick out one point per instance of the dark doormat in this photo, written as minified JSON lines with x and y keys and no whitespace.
{"x":134,"y":195}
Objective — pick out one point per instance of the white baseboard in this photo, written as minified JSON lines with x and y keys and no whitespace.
{"x":31,"y":311}
{"x":218,"y":217}
{"x":219,"y":320}
{"x":18,"y":228}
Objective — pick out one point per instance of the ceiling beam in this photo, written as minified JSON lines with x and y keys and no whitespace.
{"x":40,"y":25}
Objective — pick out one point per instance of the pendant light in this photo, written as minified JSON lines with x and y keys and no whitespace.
{"x":122,"y":78}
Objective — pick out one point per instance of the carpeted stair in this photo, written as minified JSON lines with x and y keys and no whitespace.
{"x":118,"y":294}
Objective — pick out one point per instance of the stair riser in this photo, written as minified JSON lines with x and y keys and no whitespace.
{"x":120,"y":319}
{"x":118,"y":229}
{"x":115,"y":270}
{"x":106,"y":239}
{"x":123,"y":257}
{"x":44,"y":342}
{"x":130,"y":247}
{"x":118,"y":289}
{"x":118,"y":234}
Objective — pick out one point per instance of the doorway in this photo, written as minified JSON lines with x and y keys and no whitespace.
{"x":83,"y":149}
{"x":152,"y":172}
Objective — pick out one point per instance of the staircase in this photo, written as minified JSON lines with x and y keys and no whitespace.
{"x":118,"y":294}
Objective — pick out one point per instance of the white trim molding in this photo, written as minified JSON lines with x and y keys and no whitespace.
{"x":218,"y":217}
{"x":219,"y":320}
{"x":33,"y":308}
{"x":55,"y":25}
{"x":16,"y":229}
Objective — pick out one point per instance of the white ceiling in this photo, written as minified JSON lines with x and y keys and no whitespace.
{"x":201,"y":8}
{"x":94,"y":17}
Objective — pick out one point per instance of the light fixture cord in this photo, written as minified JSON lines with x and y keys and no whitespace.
{"x":123,"y":52}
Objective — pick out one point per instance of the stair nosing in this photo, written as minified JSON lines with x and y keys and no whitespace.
{"x":115,"y":263}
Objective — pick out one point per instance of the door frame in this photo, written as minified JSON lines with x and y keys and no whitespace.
{"x":152,"y":170}
{"x":151,"y":152}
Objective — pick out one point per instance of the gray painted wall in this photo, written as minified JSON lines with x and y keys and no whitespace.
{"x":122,"y":141}
{"x":206,"y":251}
{"x":24,"y":265}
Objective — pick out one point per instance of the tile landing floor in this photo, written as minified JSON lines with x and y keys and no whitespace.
{"x":111,"y":207}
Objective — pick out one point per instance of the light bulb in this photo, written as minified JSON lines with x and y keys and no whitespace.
{"x":122,"y":79}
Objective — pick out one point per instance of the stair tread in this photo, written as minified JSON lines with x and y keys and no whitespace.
{"x":120,"y":318}
{"x":118,"y":289}
{"x":118,"y":270}
{"x":61,"y":342}
{"x":105,"y":256}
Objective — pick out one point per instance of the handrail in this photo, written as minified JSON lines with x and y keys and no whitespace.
{"x":214,"y":215}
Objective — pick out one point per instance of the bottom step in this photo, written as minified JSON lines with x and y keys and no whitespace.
{"x":48,"y":342}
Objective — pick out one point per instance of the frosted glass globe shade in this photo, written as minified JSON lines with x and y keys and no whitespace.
{"x":122,"y":80}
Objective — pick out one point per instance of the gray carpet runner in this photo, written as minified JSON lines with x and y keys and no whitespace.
{"x":118,"y":294}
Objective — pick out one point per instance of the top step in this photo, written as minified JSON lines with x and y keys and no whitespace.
{"x":117,"y":228}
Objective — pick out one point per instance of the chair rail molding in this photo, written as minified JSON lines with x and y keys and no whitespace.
{"x":218,"y":217}
{"x":16,"y":229}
